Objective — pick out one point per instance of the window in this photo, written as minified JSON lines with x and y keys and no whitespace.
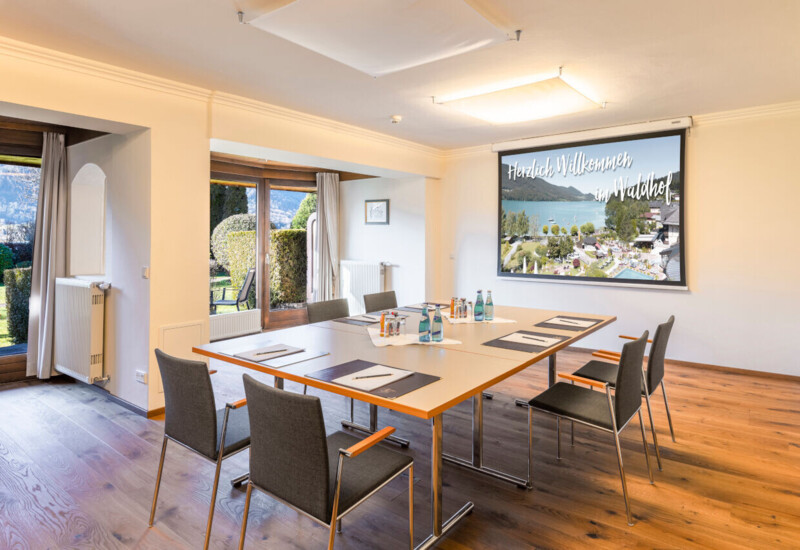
{"x":232,"y":251}
{"x":19,"y":197}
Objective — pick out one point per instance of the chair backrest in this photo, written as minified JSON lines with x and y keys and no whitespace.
{"x":246,"y":286}
{"x":380,"y":301}
{"x":628,"y":389}
{"x":191,"y":416}
{"x":288,"y":450}
{"x":327,"y":310}
{"x":658,"y":351}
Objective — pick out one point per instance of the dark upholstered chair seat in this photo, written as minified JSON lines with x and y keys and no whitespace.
{"x":575,"y":402}
{"x":362,"y":474}
{"x":237,"y":436}
{"x":600,"y":371}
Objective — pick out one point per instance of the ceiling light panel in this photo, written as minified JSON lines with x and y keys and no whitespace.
{"x":532,"y":101}
{"x":379,"y":37}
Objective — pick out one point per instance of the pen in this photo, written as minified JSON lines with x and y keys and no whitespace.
{"x":534,"y":339}
{"x":568,"y":321}
{"x":268,"y":352}
{"x":371,"y":376}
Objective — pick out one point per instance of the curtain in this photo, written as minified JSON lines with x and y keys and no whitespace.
{"x":49,"y":255}
{"x":328,"y":234}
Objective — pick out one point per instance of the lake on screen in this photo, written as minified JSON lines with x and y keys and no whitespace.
{"x":565,"y":214}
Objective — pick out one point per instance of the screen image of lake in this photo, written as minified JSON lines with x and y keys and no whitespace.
{"x":564,"y":213}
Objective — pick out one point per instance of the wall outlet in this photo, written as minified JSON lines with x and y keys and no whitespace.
{"x":145,"y":272}
{"x":141,"y":376}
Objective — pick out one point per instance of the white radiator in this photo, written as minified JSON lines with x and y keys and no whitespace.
{"x":80,"y":313}
{"x":230,"y":325}
{"x":357,"y":279}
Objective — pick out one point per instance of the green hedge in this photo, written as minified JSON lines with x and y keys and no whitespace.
{"x":219,"y":238}
{"x":18,"y":293}
{"x":6,"y":258}
{"x":287,"y":274}
{"x":241,"y":251}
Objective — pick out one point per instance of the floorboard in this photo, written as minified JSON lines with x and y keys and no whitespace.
{"x":77,"y":471}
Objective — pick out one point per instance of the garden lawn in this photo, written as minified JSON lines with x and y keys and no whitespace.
{"x":5,"y":338}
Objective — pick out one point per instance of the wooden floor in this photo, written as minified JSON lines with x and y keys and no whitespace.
{"x":77,"y":471}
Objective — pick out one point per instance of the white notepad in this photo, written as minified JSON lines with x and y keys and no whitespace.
{"x":571,"y":322}
{"x":421,"y":306}
{"x":268,"y":352}
{"x":366,"y":318}
{"x":531,"y":339}
{"x":388,"y":375}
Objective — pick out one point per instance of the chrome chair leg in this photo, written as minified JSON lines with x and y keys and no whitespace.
{"x":653,"y":431}
{"x":241,"y":480}
{"x":558,"y":437}
{"x":669,"y":416}
{"x":245,"y":514}
{"x":339,"y":526}
{"x":644,"y":442}
{"x":352,"y":410}
{"x":158,"y":480}
{"x":529,"y":484}
{"x":220,"y":455}
{"x":622,"y":477}
{"x":411,"y":507}
{"x":305,"y":390}
{"x":213,"y":501}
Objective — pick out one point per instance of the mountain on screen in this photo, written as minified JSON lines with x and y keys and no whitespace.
{"x":537,"y":189}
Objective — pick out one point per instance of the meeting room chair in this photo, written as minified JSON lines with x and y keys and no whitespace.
{"x":380,"y":301}
{"x":654,"y":375}
{"x":327,"y":310}
{"x":597,"y":409}
{"x":322,"y":477}
{"x":192,"y":421}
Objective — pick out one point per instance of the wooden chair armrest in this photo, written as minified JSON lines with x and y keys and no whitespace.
{"x":237,"y":404}
{"x":365,"y":444}
{"x":612,"y":358}
{"x":607,"y":352}
{"x":212,"y":371}
{"x":633,"y":338}
{"x":572,"y":377}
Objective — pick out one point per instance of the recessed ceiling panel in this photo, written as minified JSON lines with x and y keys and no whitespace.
{"x":379,"y":37}
{"x":533,"y":101}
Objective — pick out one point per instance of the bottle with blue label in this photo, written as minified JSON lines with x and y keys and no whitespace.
{"x":488,"y":310}
{"x":478,"y":311}
{"x":425,"y":326}
{"x":438,"y":329}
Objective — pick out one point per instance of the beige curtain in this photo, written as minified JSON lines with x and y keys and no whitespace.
{"x":49,"y":255}
{"x":328,"y":235}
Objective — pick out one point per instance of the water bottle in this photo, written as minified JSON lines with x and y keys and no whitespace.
{"x":478,"y":307}
{"x":438,"y":329}
{"x":489,"y":308}
{"x":425,"y":326}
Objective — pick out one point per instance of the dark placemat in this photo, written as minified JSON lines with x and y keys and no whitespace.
{"x":546,"y":324}
{"x":357,"y":322}
{"x":389,"y":391}
{"x":527,"y":348}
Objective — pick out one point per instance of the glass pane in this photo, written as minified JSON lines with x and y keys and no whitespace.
{"x":232,"y":248}
{"x":289,"y":213}
{"x":19,"y":197}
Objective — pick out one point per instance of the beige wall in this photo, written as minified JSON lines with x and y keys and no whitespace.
{"x":402,"y":242}
{"x":181,"y":119}
{"x":742,"y":264}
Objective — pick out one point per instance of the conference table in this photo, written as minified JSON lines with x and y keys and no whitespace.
{"x":465,"y":370}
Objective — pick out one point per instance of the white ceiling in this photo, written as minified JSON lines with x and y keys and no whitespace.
{"x":647,"y":59}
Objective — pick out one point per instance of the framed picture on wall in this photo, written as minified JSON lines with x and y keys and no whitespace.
{"x":376,"y":212}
